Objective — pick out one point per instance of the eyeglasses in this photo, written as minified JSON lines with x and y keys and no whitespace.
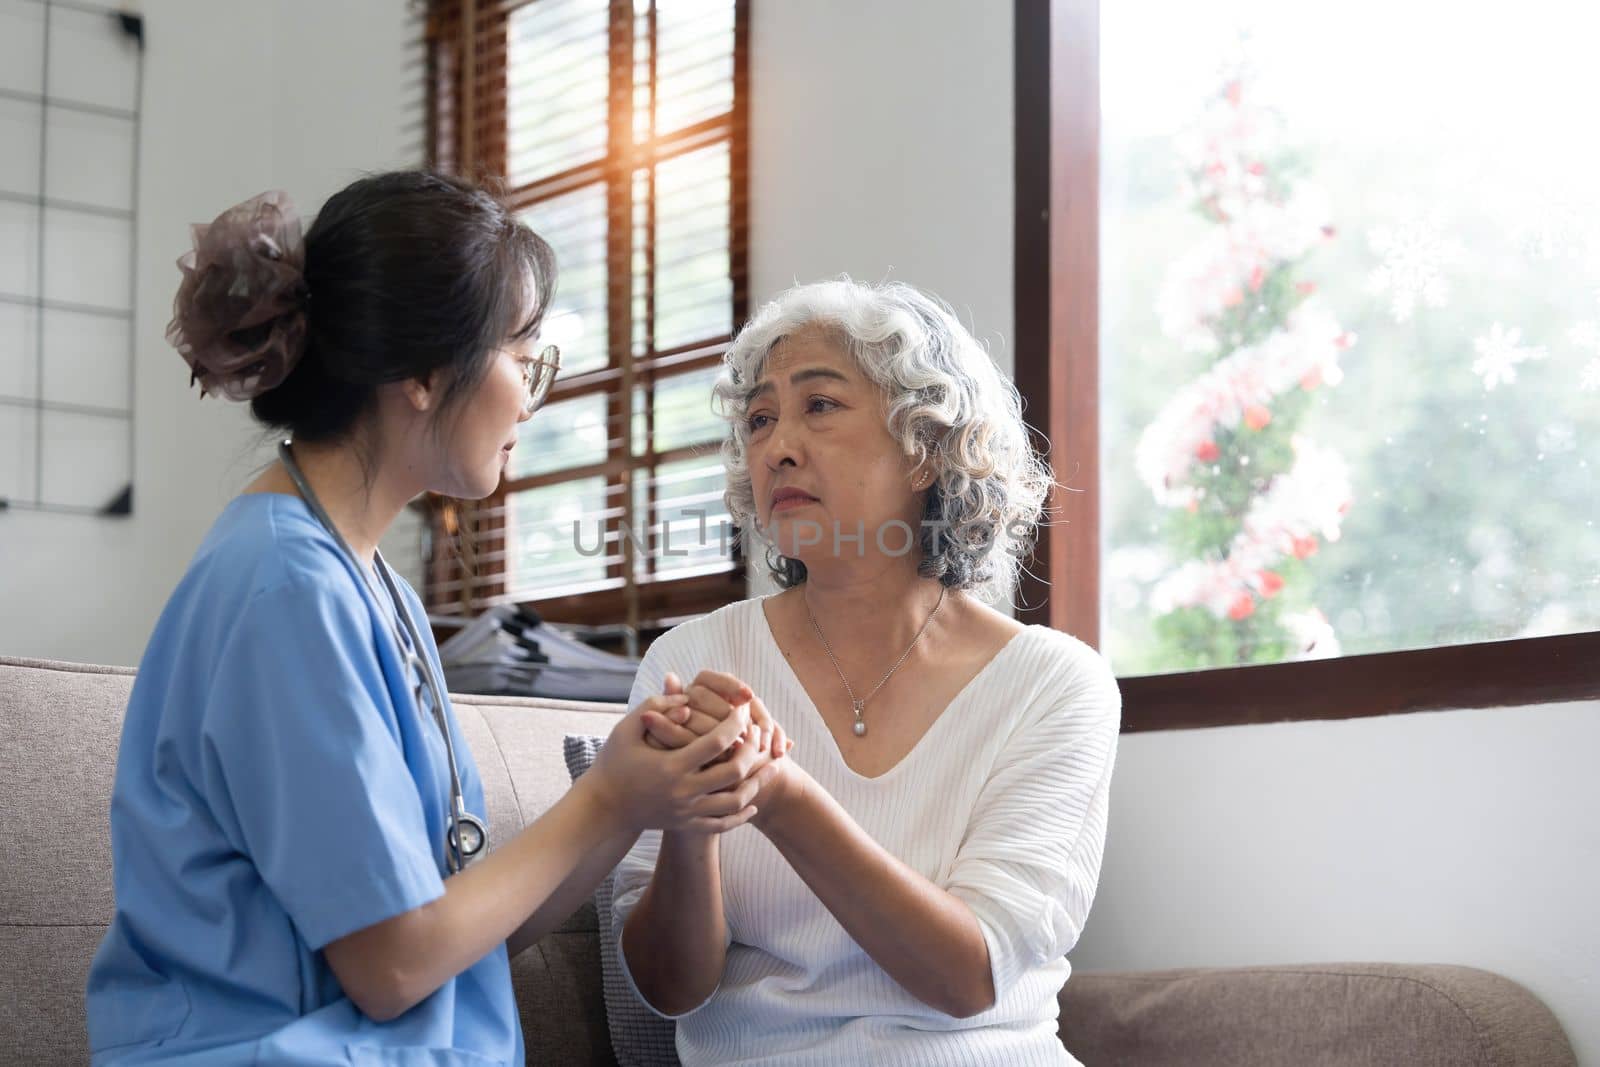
{"x":539,"y":374}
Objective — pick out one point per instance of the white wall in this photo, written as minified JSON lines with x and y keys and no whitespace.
{"x":239,"y":97}
{"x":879,"y":149}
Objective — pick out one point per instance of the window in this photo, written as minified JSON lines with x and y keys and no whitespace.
{"x":1328,"y":346}
{"x":618,"y":127}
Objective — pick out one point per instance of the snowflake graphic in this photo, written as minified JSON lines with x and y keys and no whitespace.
{"x":1585,"y":335}
{"x":1552,"y":224}
{"x":1499,"y":353}
{"x":1414,"y":254}
{"x":1590,"y":380}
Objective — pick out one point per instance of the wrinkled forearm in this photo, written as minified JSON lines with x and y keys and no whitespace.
{"x":924,"y":937}
{"x":675,"y":939}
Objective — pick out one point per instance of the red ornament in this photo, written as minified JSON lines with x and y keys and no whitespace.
{"x":1305,"y":546}
{"x":1256,"y":417}
{"x":1311,"y":379}
{"x":1243,"y":606}
{"x":1271,"y":582}
{"x":1207,"y":451}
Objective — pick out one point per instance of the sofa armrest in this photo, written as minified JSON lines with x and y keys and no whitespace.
{"x":1310,"y":1015}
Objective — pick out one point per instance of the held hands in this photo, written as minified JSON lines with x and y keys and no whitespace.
{"x":705,"y":782}
{"x":711,"y":699}
{"x":641,"y":788}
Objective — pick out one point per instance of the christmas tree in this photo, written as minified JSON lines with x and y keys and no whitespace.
{"x":1249,"y":497}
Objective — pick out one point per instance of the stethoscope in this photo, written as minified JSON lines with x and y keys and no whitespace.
{"x":464,"y":834}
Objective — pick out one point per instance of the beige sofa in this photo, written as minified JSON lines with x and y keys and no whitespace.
{"x":59,"y":725}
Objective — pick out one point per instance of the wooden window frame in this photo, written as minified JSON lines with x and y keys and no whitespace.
{"x":477,"y":147}
{"x":1057,"y":221}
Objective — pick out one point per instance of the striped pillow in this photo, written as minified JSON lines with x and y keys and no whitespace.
{"x":639,"y":1036}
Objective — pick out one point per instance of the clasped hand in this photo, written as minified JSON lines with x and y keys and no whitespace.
{"x":693,"y":759}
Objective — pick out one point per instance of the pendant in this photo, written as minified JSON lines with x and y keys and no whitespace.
{"x":860,"y":727}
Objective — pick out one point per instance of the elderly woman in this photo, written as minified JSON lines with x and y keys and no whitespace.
{"x":918,"y":869}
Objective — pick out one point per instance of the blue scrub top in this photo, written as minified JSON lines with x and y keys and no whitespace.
{"x":276,"y":789}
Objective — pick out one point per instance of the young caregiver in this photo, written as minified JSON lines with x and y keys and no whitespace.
{"x":301,"y":865}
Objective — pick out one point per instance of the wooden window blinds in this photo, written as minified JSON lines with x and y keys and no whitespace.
{"x":617,"y":129}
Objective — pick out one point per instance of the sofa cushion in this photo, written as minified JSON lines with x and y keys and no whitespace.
{"x":59,"y":728}
{"x":1310,"y":1015}
{"x":517,"y":745}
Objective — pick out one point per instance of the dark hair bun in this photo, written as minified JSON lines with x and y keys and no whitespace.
{"x":409,"y":272}
{"x":238,"y":319}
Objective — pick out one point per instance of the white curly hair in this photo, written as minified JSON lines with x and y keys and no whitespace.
{"x":946,"y":400}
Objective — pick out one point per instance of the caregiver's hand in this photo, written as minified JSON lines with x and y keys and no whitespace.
{"x":712,"y":697}
{"x":729,"y":694}
{"x":644,"y":788}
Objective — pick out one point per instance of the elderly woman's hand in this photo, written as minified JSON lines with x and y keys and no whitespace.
{"x":690,"y":789}
{"x":712,"y":697}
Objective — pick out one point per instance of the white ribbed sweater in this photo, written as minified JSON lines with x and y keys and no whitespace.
{"x":1002,"y":803}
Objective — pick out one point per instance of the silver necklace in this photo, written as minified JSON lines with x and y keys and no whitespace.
{"x":856,"y":705}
